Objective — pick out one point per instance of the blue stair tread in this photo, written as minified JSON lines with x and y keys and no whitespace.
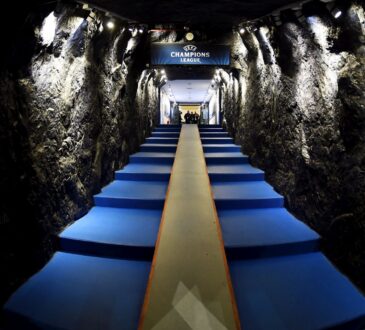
{"x":243,"y":190}
{"x":115,"y":226}
{"x":298,"y":292}
{"x":162,"y":140}
{"x":261,"y":230}
{"x":146,"y":168}
{"x":156,"y":145}
{"x":225,"y":155}
{"x":165,"y":134}
{"x":81,"y":292}
{"x":216,"y":139}
{"x":233,"y":169}
{"x":147,"y":190}
{"x":222,"y":146}
{"x":153,"y":154}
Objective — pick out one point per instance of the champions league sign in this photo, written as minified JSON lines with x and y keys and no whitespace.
{"x":189,"y":54}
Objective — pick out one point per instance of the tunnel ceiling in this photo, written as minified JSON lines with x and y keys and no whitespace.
{"x":219,"y":12}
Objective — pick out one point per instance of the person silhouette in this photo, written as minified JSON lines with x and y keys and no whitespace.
{"x":187,"y":118}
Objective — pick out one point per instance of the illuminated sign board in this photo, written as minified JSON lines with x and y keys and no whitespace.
{"x":189,"y":54}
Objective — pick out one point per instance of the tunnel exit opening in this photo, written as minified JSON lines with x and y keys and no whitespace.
{"x":199,"y":98}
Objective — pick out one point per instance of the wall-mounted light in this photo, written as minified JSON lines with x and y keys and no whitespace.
{"x":141,"y":30}
{"x":110,"y":25}
{"x":163,"y":72}
{"x":242,"y":30}
{"x":130,"y":29}
{"x":336,"y":13}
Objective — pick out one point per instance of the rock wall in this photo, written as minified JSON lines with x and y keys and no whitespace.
{"x":295,"y":101}
{"x":72,"y":109}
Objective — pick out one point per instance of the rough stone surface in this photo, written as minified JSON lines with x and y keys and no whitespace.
{"x":297,"y":106}
{"x":69,"y":118}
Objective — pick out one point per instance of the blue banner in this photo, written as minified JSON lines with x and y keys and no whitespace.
{"x":189,"y":54}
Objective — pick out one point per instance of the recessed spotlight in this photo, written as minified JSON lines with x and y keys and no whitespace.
{"x":140,"y":30}
{"x":110,"y":25}
{"x":189,"y":36}
{"x":242,"y":30}
{"x":336,"y":13}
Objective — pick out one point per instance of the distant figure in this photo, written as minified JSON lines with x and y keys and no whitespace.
{"x":187,"y":118}
{"x":180,"y":119}
{"x":197,"y":118}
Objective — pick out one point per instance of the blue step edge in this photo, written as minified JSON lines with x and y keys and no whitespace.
{"x":113,"y":232}
{"x":80,"y":292}
{"x":297,"y":292}
{"x":266,"y":232}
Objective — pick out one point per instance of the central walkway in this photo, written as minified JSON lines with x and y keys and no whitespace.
{"x":120,"y":267}
{"x":189,"y":283}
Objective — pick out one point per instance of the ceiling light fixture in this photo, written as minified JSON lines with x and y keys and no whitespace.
{"x":189,"y":36}
{"x":336,"y":13}
{"x":110,"y":25}
{"x":242,"y":30}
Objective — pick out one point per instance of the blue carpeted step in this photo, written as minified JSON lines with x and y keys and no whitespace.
{"x":234,"y":172}
{"x":166,"y":134}
{"x":224,"y":140}
{"x":133,"y":194}
{"x":213,"y":134}
{"x":298,"y":292}
{"x":260,"y":233}
{"x":221,"y":148}
{"x":162,"y":140}
{"x":214,"y":158}
{"x":152,"y":158}
{"x":169,"y":126}
{"x":80,"y":292}
{"x":167,"y":130}
{"x":245,"y":194}
{"x":113,"y":232}
{"x":217,"y":129}
{"x":144,"y":172}
{"x":149,"y":147}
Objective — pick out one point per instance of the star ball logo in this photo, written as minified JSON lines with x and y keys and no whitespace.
{"x":188,"y":48}
{"x":190,"y":54}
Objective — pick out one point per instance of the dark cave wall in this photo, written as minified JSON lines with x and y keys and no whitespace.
{"x":296,"y":103}
{"x":69,"y":117}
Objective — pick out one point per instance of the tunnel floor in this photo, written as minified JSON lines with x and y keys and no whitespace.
{"x":228,"y":254}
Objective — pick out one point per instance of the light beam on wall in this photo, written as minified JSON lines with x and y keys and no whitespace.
{"x":48,"y":30}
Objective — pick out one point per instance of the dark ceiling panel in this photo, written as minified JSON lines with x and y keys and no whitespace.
{"x":223,"y":12}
